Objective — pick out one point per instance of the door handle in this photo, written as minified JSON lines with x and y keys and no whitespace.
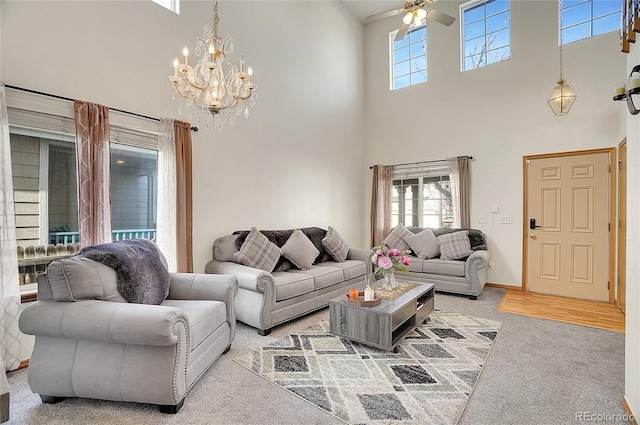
{"x":532,"y":224}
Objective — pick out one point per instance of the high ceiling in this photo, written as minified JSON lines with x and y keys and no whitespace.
{"x":363,"y":8}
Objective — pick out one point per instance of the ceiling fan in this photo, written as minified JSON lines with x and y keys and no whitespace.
{"x":415,"y":11}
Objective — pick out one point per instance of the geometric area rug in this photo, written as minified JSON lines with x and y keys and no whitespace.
{"x":428,"y":381}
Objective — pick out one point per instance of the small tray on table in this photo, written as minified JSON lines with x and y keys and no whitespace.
{"x":360,"y":302}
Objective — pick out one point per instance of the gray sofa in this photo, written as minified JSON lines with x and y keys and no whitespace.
{"x":90,"y":342}
{"x":266,"y":299}
{"x":465,"y":276}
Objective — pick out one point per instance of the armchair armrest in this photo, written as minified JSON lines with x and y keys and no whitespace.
{"x":215,"y":287}
{"x":105,"y":321}
{"x":195,"y":286}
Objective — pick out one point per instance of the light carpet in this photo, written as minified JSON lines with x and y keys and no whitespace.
{"x":428,"y":381}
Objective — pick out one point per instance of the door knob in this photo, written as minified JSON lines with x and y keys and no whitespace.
{"x":532,"y":236}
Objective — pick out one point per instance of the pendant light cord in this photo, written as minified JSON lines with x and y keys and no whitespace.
{"x":560,"y":26}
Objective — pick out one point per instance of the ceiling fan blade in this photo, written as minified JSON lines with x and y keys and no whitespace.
{"x":382,"y":15}
{"x":440,"y":17}
{"x":402,"y":31}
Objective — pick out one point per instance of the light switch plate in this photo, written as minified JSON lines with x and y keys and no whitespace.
{"x":482,"y":219}
{"x":506,"y":220}
{"x":495,"y":208}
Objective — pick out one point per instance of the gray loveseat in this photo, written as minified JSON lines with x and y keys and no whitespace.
{"x":90,"y":342}
{"x":466,"y":275}
{"x":266,"y":299}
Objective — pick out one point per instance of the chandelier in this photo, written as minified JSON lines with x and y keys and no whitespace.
{"x":214,"y":84}
{"x":562,"y":97}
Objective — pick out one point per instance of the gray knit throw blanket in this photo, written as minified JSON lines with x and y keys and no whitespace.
{"x":142,"y":275}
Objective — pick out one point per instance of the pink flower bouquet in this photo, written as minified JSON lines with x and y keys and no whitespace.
{"x":388,"y":260}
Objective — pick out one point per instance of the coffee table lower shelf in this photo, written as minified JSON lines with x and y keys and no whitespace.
{"x":382,"y":326}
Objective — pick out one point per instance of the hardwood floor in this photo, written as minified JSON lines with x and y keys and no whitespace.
{"x":570,"y":310}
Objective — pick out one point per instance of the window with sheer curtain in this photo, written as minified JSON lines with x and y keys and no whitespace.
{"x":45,"y":188}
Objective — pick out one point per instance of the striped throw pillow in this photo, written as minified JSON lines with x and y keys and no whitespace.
{"x":454,"y":246}
{"x":257,"y":251}
{"x":335,"y":245}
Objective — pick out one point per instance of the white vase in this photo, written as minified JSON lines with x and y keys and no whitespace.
{"x":389,"y":280}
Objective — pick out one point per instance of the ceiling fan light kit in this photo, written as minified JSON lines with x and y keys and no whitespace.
{"x":415,"y":11}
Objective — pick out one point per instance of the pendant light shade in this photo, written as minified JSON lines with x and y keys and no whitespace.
{"x":561,"y":98}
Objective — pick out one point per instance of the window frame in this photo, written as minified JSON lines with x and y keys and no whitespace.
{"x":392,"y":63}
{"x":470,"y":5}
{"x":44,"y":116}
{"x":422,"y":180}
{"x":561,"y":39}
{"x":172,"y":5}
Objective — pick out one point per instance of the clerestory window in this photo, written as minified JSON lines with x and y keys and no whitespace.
{"x":485,"y":28}
{"x":408,"y":58}
{"x":587,"y":18}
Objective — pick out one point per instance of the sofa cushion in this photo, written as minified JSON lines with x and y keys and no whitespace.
{"x":424,"y":244}
{"x":350,"y":268}
{"x":300,"y":250}
{"x":454,"y":246}
{"x":258,"y":252}
{"x":224,"y":247}
{"x":80,"y":278}
{"x":204,"y":317}
{"x":289,"y":284}
{"x":415,"y":265}
{"x":322,"y":276}
{"x":444,"y":267}
{"x":395,"y":239}
{"x":335,"y":245}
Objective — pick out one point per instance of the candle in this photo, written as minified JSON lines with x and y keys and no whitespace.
{"x":369,"y":294}
{"x":185,"y":52}
{"x":634,"y":82}
{"x":353,"y":294}
{"x":618,"y":90}
{"x":175,"y":67}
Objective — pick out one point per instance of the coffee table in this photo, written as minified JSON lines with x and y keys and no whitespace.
{"x":384,"y":325}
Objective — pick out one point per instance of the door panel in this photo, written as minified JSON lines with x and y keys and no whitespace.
{"x":568,"y":254}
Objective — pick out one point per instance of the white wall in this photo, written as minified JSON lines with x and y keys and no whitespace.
{"x":632,"y":335}
{"x":497,"y":113}
{"x":295,"y":162}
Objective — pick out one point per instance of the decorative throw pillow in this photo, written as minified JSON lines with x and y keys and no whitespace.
{"x":454,"y":246}
{"x":300,"y":250}
{"x":257,"y":251}
{"x":224,"y":247}
{"x":335,"y":245}
{"x":79,"y":278}
{"x":395,"y":239}
{"x":424,"y":244}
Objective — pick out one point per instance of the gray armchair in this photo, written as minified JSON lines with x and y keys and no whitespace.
{"x":114,"y":350}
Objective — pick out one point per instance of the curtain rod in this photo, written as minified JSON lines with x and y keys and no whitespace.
{"x":135,"y":114}
{"x":425,"y":162}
